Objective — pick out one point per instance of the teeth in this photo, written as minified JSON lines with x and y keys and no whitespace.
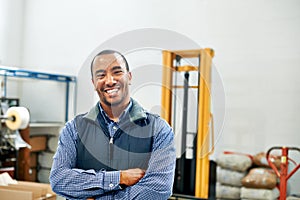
{"x":111,"y":91}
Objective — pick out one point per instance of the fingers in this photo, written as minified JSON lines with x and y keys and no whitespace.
{"x":131,"y":176}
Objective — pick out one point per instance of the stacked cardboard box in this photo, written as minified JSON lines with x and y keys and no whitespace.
{"x":24,"y":190}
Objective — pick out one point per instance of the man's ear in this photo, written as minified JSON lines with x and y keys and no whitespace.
{"x":129,"y":77}
{"x":94,"y":84}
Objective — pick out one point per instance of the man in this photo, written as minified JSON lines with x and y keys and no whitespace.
{"x":117,"y":150}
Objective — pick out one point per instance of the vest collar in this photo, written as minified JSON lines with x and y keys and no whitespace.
{"x":136,"y":112}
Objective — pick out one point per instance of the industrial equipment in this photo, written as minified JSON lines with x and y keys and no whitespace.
{"x":192,"y":165}
{"x":12,"y":118}
{"x":284,"y":166}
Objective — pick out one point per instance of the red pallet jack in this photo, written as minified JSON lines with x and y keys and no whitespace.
{"x":283,"y":173}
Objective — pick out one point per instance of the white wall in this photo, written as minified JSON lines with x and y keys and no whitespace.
{"x":11,"y":32}
{"x":256,"y":42}
{"x":259,"y":65}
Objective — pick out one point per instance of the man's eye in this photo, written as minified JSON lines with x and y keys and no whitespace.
{"x":118,"y":72}
{"x":100,"y":75}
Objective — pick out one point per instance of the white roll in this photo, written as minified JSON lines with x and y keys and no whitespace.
{"x":43,"y":175}
{"x":45,"y":159}
{"x":21,"y":118}
{"x":52,"y":143}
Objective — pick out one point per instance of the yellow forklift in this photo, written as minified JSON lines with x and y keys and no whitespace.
{"x":195,"y":173}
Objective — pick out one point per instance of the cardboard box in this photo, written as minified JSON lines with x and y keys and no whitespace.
{"x":24,"y":190}
{"x":9,"y":170}
{"x":7,"y":194}
{"x":38,"y":143}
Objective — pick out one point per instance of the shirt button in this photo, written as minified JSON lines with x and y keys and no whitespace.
{"x":111,"y":185}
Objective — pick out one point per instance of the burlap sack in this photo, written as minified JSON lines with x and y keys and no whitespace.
{"x":236,"y":162}
{"x":260,"y":178}
{"x":230,"y":177}
{"x":259,"y":194}
{"x":261,"y":160}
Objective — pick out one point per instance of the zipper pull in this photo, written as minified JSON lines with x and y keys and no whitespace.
{"x":111,"y":140}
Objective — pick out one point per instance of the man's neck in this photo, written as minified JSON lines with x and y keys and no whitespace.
{"x":114,"y":112}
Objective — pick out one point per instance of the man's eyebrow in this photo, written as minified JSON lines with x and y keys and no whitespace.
{"x":113,"y":68}
{"x":99,"y":71}
{"x":116,"y":67}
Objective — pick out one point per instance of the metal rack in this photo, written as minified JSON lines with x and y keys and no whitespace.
{"x":23,"y":73}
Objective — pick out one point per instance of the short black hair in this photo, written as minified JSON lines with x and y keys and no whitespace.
{"x":109,"y":51}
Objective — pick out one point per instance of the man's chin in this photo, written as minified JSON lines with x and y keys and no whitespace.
{"x":112,"y":103}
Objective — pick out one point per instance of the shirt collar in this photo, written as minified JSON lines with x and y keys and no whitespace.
{"x":108,"y":120}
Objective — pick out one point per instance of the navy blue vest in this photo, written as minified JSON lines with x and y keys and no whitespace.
{"x":130,"y":147}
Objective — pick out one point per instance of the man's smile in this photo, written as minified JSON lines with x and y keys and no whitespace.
{"x":111,"y":91}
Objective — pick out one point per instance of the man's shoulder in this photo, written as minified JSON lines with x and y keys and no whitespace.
{"x":154,"y":115}
{"x":157,"y":119}
{"x":81,"y":115}
{"x":75,"y":119}
{"x":84,"y":117}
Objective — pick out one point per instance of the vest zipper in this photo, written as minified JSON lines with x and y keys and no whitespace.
{"x":111,"y":147}
{"x":111,"y":150}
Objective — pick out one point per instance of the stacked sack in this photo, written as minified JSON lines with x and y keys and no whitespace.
{"x":231,"y":169}
{"x":260,"y":183}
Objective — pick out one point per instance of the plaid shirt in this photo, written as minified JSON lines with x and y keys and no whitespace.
{"x":74,"y":183}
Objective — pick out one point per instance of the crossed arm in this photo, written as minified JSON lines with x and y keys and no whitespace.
{"x":154,"y":183}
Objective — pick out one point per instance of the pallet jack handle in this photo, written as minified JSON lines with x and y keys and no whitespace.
{"x":283,"y":174}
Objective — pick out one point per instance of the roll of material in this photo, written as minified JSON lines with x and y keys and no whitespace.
{"x":43,"y":175}
{"x":52,"y":143}
{"x":20,"y":116}
{"x":45,"y":159}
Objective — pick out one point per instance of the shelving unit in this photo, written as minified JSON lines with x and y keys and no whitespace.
{"x":23,"y":73}
{"x":26,"y":161}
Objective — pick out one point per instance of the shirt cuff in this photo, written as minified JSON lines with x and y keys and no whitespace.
{"x":111,"y":181}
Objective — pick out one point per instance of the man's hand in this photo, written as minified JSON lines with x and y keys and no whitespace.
{"x":130,"y":177}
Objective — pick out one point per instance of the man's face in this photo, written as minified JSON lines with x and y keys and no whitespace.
{"x":111,"y":79}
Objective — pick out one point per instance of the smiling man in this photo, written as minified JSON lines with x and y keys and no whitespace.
{"x":117,"y":150}
{"x":111,"y":79}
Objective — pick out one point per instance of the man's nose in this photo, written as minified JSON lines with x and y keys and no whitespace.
{"x":110,"y":79}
